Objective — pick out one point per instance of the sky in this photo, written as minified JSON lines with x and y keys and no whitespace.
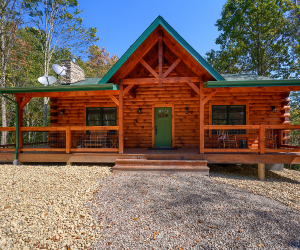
{"x":120,"y":22}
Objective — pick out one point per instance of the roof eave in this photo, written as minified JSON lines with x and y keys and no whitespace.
{"x":254,"y":83}
{"x":67,"y":88}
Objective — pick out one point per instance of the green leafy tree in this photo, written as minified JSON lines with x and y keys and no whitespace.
{"x":99,"y":62}
{"x":24,"y":66}
{"x":254,"y":39}
{"x":294,"y":18}
{"x":60,"y":27}
{"x":11,"y":13}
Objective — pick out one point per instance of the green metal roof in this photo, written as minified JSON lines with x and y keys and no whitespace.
{"x":88,"y":81}
{"x":253,"y":83}
{"x":160,"y":21}
{"x":60,"y":88}
{"x":244,"y":77}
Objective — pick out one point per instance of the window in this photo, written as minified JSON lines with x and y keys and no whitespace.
{"x":229,"y":115}
{"x":101,"y":117}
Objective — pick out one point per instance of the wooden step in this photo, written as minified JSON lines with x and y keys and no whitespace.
{"x":160,"y":166}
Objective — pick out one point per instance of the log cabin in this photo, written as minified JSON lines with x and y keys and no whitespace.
{"x":161,"y":107}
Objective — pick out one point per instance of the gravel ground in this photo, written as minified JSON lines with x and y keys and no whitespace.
{"x":283,"y":186}
{"x":187,"y":211}
{"x":75,"y":207}
{"x":44,"y":207}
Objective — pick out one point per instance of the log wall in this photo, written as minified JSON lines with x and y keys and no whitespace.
{"x":138,"y":127}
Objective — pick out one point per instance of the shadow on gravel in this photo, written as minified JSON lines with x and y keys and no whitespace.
{"x":246,"y":171}
{"x":194,"y":211}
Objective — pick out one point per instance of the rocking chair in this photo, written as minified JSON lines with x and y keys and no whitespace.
{"x":225,"y":140}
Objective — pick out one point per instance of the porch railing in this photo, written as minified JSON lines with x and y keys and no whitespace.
{"x":251,"y":138}
{"x":70,"y":139}
{"x":10,"y":133}
{"x":217,"y":138}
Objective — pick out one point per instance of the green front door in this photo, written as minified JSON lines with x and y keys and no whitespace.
{"x":163,"y":127}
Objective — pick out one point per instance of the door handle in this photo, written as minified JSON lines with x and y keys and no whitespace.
{"x":156,"y":130}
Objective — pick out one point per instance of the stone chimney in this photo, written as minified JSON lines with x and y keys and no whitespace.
{"x":74,"y":73}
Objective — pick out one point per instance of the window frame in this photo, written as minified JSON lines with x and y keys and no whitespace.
{"x":228,"y":103}
{"x":101,"y":116}
{"x":228,"y":113}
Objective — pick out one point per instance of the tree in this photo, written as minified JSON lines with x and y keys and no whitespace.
{"x":99,"y":62}
{"x":254,"y":39}
{"x":60,"y":27}
{"x":294,"y":18}
{"x":10,"y":19}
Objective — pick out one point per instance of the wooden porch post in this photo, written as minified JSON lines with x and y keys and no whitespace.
{"x":201,"y":121}
{"x":262,"y":133}
{"x":19,"y":101}
{"x":261,"y":171}
{"x":121,"y":117}
{"x":68,"y":140}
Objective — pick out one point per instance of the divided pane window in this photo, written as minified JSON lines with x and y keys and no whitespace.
{"x":229,"y":115}
{"x":101,"y":116}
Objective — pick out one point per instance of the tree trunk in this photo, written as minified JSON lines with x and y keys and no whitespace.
{"x":45,"y":99}
{"x":45,"y":119}
{"x":4,"y":124}
{"x":2,"y":84}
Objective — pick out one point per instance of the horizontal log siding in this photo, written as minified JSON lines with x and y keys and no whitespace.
{"x":260,"y":106}
{"x":75,"y":109}
{"x":138,"y":127}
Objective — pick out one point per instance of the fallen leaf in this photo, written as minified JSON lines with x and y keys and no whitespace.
{"x":260,"y":245}
{"x":200,"y":221}
{"x":198,"y":240}
{"x":212,"y":227}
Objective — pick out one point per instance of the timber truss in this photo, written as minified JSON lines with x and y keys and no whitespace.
{"x":162,"y":61}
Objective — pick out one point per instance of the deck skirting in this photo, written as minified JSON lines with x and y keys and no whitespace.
{"x":138,"y":153}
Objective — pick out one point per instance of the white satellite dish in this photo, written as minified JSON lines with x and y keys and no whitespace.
{"x":59,"y":70}
{"x":47,"y":80}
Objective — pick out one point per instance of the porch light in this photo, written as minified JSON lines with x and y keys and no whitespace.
{"x":62,"y":112}
{"x":140,"y":111}
{"x":186,"y":110}
{"x":274,"y":109}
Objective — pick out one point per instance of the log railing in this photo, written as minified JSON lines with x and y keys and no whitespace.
{"x":252,"y":138}
{"x":238,"y":138}
{"x":70,"y":139}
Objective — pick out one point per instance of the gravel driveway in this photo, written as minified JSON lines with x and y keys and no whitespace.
{"x":186,"y":211}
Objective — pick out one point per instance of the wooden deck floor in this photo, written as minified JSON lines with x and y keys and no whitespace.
{"x":144,"y":153}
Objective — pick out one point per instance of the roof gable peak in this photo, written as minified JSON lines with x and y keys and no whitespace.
{"x":172,"y":32}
